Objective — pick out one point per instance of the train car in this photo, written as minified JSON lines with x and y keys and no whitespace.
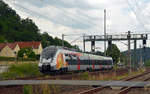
{"x":60,"y":59}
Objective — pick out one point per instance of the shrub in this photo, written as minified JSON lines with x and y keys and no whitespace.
{"x":18,"y":59}
{"x":28,"y":52}
{"x":45,"y":89}
{"x":22,"y":70}
{"x":85,"y":76}
{"x":7,"y":59}
{"x":27,"y":89}
{"x":147,"y":63}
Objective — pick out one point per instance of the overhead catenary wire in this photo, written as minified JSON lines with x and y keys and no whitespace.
{"x":74,"y":14}
{"x":46,"y":17}
{"x":75,"y":39}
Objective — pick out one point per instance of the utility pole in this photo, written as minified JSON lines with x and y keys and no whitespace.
{"x":129,"y":52}
{"x":135,"y":56}
{"x":105,"y":32}
{"x":141,"y":58}
{"x":84,"y":42}
{"x":63,"y":40}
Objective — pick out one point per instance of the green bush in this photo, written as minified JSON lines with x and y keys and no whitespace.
{"x":18,"y":59}
{"x":147,"y":63}
{"x":37,"y":57}
{"x":85,"y":75}
{"x":26,"y":51}
{"x":27,"y":89}
{"x":21,"y":70}
{"x":7,"y":59}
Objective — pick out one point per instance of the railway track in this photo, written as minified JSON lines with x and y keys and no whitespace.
{"x":125,"y":90}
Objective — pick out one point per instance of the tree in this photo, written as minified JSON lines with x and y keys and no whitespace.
{"x":113,"y":52}
{"x":123,"y":58}
{"x":47,"y":40}
{"x":26,"y":52}
{"x":13,"y":28}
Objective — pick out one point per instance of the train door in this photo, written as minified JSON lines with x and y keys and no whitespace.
{"x":78,"y":63}
{"x":93,"y":64}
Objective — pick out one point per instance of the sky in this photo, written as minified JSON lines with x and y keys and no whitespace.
{"x":77,"y":17}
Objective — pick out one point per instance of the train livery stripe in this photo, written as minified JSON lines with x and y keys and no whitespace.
{"x":78,"y":65}
{"x":100,"y":66}
{"x":93,"y":65}
{"x":60,"y":61}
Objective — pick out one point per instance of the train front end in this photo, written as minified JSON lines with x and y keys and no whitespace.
{"x":47,"y":59}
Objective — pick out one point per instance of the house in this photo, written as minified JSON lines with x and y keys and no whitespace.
{"x":14,"y":46}
{"x":11,"y":49}
{"x":6,"y":51}
{"x":36,"y":46}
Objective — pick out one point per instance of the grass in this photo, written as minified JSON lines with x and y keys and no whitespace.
{"x":8,"y":63}
{"x":85,"y":76}
{"x":18,"y":59}
{"x":41,"y":89}
{"x":27,"y":89}
{"x":21,"y":70}
{"x":107,"y":77}
{"x":45,"y":89}
{"x":49,"y":89}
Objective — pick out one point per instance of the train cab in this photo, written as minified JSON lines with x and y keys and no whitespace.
{"x":47,"y":59}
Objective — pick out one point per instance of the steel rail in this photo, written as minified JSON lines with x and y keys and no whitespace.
{"x":98,"y":89}
{"x":126,"y":90}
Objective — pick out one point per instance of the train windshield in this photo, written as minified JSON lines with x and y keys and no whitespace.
{"x":49,"y":52}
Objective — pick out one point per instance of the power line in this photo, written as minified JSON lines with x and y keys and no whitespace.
{"x":72,"y":16}
{"x":76,"y":39}
{"x":45,"y":17}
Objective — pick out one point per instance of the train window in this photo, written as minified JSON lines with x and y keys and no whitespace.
{"x":97,"y":61}
{"x":70,"y":56}
{"x":66,"y":55}
{"x":81,"y":62}
{"x":73,"y":61}
{"x":88,"y":62}
{"x":109,"y":62}
{"x":84,"y":62}
{"x":67,"y":60}
{"x":100,"y":62}
{"x":74,"y":55}
{"x":104,"y":62}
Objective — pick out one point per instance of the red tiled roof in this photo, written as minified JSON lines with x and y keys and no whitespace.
{"x":33,"y":44}
{"x":12,"y":45}
{"x":2,"y":45}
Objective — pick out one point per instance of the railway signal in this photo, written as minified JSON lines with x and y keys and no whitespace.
{"x":123,"y":37}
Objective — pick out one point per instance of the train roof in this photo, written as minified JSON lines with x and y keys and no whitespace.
{"x":60,"y":47}
{"x":65,"y":48}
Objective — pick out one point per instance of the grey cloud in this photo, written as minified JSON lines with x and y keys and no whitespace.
{"x":60,"y":19}
{"x":81,"y":4}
